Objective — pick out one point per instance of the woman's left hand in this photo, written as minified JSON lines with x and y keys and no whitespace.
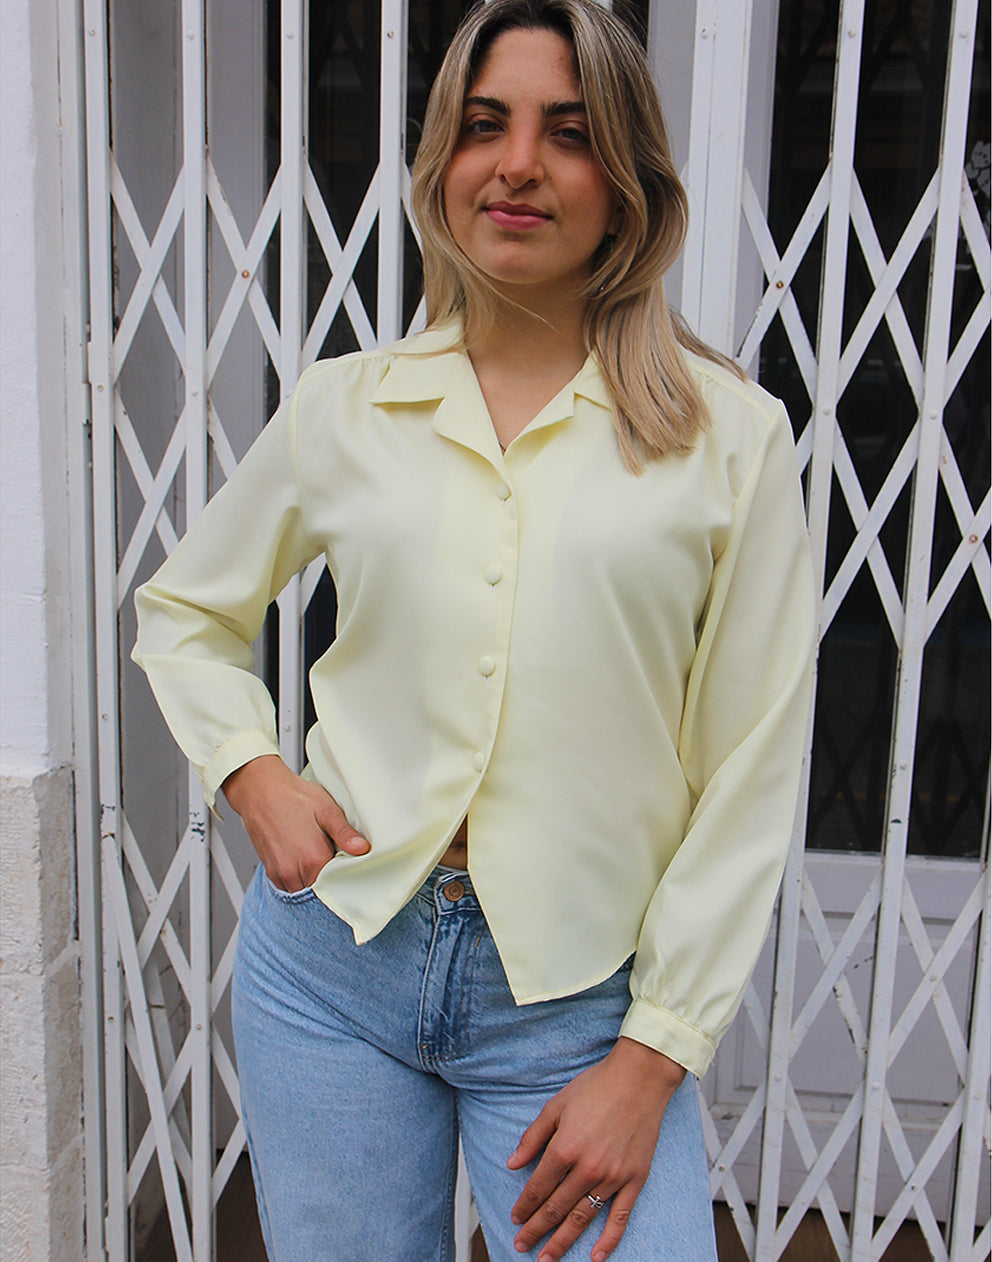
{"x":598,"y":1137}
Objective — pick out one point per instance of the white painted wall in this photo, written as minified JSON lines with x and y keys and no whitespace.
{"x":35,"y":719}
{"x":41,"y":1187}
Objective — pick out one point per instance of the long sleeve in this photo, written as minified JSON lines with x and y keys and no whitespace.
{"x":198,"y":616}
{"x":740,"y":745}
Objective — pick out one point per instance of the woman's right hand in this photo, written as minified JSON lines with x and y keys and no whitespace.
{"x":294,"y":824}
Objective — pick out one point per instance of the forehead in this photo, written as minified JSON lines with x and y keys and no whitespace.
{"x":541,"y":60}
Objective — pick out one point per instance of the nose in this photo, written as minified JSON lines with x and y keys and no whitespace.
{"x":520,"y":160}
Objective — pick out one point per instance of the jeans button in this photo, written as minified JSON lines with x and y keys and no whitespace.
{"x":453,"y":891}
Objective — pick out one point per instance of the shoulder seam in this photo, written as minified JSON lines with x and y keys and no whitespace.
{"x":750,"y":392}
{"x":351,"y":357}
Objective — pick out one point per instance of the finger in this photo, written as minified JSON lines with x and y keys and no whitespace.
{"x":544,"y":1180}
{"x":582,"y":1214}
{"x":293,"y":872}
{"x":289,"y":884}
{"x":562,"y":1200}
{"x":534,"y":1139}
{"x":334,"y":822}
{"x":616,"y":1223}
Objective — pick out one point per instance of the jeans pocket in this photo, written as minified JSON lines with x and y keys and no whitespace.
{"x":288,"y":896}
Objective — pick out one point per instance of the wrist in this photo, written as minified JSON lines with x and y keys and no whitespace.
{"x":649,"y":1062}
{"x":252,"y":778}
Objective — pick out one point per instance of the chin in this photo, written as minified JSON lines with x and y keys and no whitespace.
{"x":523,"y":275}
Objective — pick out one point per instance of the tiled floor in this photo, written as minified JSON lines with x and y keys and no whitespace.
{"x":239,"y":1240}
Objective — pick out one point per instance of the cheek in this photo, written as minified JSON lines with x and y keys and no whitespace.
{"x":605,"y":204}
{"x":453,"y":196}
{"x":591,"y":193}
{"x":458,"y":176}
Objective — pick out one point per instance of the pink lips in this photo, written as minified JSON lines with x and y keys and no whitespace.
{"x":516,"y":215}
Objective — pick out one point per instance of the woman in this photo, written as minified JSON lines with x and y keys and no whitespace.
{"x":519,"y":889}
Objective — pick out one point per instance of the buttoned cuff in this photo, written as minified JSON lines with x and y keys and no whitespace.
{"x":647,"y":1023}
{"x":232,"y":755}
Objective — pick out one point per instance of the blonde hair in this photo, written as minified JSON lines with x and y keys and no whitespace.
{"x":637,"y":339}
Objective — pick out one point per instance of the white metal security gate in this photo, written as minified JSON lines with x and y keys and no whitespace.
{"x":192,"y":290}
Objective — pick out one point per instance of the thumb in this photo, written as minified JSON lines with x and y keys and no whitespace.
{"x":333,"y":821}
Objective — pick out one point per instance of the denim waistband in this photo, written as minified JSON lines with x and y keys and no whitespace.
{"x":449,"y":890}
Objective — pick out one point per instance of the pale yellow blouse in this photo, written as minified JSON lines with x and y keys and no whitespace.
{"x":608,"y":673}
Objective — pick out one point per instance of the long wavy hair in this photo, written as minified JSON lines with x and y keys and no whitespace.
{"x":637,"y":339}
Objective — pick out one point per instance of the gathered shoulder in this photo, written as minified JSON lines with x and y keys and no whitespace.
{"x":727,"y":395}
{"x":366,"y":369}
{"x":372,"y":364}
{"x":744,"y":418}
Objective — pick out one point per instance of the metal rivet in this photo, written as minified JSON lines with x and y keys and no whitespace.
{"x":245,"y":273}
{"x":973,"y":538}
{"x":780,"y":284}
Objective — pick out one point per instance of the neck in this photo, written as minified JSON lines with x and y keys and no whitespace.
{"x":523,"y":337}
{"x":522,"y":359}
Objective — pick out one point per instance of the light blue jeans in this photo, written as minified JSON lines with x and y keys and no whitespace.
{"x":361,"y":1065}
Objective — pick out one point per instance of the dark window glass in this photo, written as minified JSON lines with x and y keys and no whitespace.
{"x":897,"y":150}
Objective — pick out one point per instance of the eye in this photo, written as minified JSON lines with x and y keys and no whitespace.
{"x":484,"y":126}
{"x":572,"y":135}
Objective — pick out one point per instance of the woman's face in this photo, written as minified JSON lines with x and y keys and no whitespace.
{"x":523,"y":194}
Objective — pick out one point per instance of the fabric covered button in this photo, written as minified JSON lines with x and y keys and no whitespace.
{"x":453,"y":891}
{"x":503,"y":491}
{"x":492,"y":575}
{"x":479,"y":760}
{"x":486,"y":666}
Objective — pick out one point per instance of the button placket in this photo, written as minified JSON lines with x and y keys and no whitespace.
{"x":494,"y":575}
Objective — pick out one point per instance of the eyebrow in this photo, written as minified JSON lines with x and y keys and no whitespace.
{"x":552,"y":110}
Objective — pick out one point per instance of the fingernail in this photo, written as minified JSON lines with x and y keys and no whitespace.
{"x":599,"y":1257}
{"x":520,"y":1246}
{"x":516,"y":1219}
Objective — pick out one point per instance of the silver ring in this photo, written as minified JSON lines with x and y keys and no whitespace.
{"x":596,"y":1202}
